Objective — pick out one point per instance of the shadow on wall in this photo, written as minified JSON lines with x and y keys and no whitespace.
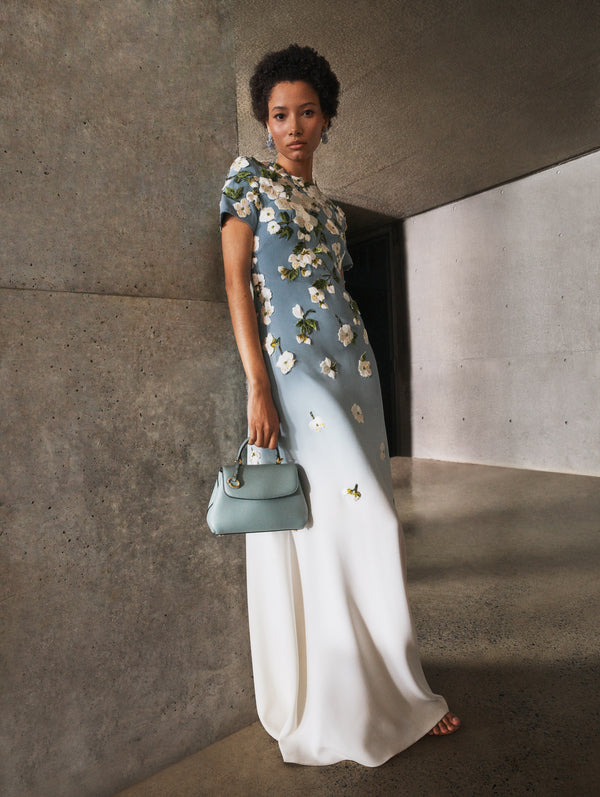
{"x":378,"y":284}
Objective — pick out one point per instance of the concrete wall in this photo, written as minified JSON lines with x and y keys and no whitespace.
{"x":505,"y":324}
{"x":124,"y":634}
{"x":440,"y":100}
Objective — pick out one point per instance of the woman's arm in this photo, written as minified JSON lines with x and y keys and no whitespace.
{"x":263,"y":422}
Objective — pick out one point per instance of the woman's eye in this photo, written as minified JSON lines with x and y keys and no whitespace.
{"x":309,"y":112}
{"x":278,"y":116}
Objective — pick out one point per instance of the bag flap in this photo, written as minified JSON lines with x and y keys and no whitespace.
{"x":258,"y":482}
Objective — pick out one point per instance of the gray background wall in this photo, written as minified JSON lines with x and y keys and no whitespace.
{"x":505,"y":324}
{"x":124,"y":638}
{"x":124,"y":635}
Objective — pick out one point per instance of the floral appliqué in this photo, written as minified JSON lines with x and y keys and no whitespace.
{"x":317,"y":292}
{"x":346,"y":334}
{"x":271,"y":344}
{"x":364,"y":366}
{"x":305,"y":325}
{"x":354,"y":492}
{"x":264,"y":295}
{"x":329,"y":367}
{"x":254,"y":457}
{"x":286,"y":362}
{"x":358,"y":414}
{"x":316,"y":424}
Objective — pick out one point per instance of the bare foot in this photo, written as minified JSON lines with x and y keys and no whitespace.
{"x":449,"y":723}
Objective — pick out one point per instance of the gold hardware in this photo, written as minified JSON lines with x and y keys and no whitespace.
{"x":232,"y":481}
{"x":279,"y":460}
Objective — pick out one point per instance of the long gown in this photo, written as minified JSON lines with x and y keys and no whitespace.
{"x":336,"y":669}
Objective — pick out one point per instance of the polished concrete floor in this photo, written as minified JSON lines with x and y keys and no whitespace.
{"x":504,"y":580}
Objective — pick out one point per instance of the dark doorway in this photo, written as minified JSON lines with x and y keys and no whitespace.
{"x":378,"y":283}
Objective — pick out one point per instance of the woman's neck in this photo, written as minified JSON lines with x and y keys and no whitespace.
{"x":301,"y":168}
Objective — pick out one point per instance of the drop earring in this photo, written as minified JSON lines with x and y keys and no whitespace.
{"x":270,"y":142}
{"x":324,"y":137}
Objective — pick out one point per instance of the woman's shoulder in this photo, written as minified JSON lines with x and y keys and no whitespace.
{"x":245,"y":166}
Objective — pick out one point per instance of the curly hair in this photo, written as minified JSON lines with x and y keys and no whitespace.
{"x":292,"y":64}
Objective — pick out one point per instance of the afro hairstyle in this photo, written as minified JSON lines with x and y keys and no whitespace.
{"x":292,"y":64}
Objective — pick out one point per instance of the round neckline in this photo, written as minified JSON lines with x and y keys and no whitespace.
{"x":279,"y":168}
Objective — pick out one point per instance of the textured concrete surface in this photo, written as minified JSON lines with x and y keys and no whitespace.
{"x":504,"y":324}
{"x":440,"y":99}
{"x":503,"y":580}
{"x":124,"y":632}
{"x":124,"y":619}
{"x":118,"y":124}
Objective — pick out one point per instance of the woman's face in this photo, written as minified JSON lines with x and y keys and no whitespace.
{"x":296,"y":120}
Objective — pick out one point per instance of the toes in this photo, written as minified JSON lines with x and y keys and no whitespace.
{"x":448,"y":724}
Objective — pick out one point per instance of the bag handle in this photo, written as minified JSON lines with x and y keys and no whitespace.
{"x":233,"y":481}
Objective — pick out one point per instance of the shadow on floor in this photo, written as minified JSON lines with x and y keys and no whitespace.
{"x":527,"y":730}
{"x":504,"y":588}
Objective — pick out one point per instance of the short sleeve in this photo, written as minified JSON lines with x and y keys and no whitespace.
{"x":240,"y":197}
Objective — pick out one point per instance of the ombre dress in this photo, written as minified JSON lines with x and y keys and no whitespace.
{"x":336,"y":668}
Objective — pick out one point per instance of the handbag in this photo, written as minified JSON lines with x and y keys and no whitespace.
{"x":249,"y":498}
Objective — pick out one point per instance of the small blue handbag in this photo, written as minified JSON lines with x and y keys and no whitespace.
{"x":250,"y":498}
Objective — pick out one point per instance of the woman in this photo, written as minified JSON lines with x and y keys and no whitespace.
{"x":336,"y":669}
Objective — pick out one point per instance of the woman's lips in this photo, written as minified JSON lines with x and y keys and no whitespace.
{"x":296,"y":144}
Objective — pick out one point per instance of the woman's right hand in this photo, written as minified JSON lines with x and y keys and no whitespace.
{"x":263,"y":420}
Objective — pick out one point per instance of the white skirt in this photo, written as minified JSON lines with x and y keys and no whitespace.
{"x":336,"y":669}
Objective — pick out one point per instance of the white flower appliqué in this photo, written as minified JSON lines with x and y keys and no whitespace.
{"x":240,"y":163}
{"x":358,"y":414}
{"x":316,"y":423}
{"x":286,"y":361}
{"x":317,"y":296}
{"x":266,"y":311}
{"x":242,"y":208}
{"x":364,"y":366}
{"x":271,"y":189}
{"x":266,"y":214}
{"x":271,"y":344}
{"x":258,"y":280}
{"x":346,"y":335}
{"x":254,"y":457}
{"x":306,"y":326}
{"x":329,"y":367}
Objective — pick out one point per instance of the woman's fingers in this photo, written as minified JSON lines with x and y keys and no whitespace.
{"x":263,"y":421}
{"x":263,"y":435}
{"x":273,"y":439}
{"x":264,"y":438}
